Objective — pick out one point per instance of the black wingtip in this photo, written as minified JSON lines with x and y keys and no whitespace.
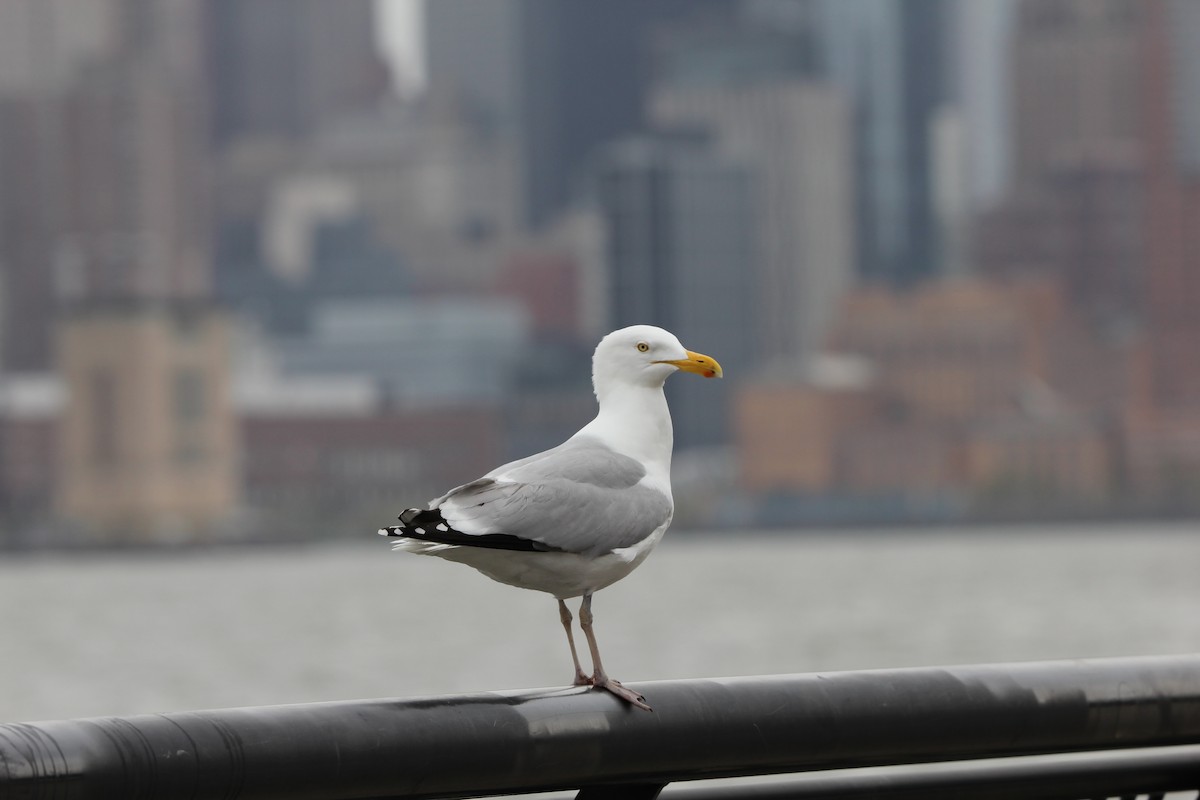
{"x":428,"y":525}
{"x":418,"y":523}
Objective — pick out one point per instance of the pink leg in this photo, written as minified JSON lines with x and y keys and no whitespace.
{"x":564,"y":615}
{"x":600,"y":679}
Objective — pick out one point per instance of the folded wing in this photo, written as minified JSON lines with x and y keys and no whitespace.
{"x":580,"y":497}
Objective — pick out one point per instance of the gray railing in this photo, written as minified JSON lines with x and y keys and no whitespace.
{"x":1074,"y":729}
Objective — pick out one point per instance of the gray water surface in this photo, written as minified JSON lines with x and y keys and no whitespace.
{"x":91,"y":635}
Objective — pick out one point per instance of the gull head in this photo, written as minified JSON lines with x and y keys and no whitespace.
{"x":643,"y":355}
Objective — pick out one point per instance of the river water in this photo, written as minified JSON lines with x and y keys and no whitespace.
{"x":94,"y":634}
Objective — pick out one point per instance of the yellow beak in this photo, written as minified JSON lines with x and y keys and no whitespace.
{"x":697,"y":363}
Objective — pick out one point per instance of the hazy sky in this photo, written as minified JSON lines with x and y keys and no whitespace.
{"x":400,"y":35}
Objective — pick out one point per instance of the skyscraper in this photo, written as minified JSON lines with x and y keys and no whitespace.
{"x":1075,"y":81}
{"x":45,"y":42}
{"x":893,"y":60}
{"x":555,"y":79}
{"x":104,"y":191}
{"x":283,"y":68}
{"x":1074,"y":207}
{"x":682,"y":252}
{"x":794,"y":135}
{"x":43,"y":46}
{"x":1170,"y":93}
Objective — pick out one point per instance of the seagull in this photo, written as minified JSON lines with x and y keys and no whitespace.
{"x":580,"y":516}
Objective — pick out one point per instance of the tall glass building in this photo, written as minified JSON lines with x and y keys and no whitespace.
{"x":682,"y":250}
{"x":892,"y":59}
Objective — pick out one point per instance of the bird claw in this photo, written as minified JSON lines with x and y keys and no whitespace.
{"x":581,"y":680}
{"x":628,"y":695}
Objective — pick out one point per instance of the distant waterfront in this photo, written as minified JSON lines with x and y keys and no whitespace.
{"x":130,"y":632}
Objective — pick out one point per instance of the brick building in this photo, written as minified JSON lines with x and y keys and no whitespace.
{"x":951,"y":390}
{"x":1163,"y":427}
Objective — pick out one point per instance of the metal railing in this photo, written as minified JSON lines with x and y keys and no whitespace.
{"x":1074,"y":729}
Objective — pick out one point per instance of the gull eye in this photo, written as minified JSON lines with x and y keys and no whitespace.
{"x":643,"y":347}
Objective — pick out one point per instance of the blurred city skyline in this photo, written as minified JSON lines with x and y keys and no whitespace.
{"x":320,"y":259}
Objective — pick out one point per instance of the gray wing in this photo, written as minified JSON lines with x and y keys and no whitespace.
{"x":580,"y":497}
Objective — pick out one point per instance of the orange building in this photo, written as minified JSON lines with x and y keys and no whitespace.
{"x":1064,"y":460}
{"x":955,"y":388}
{"x":788,"y":431}
{"x":954,"y":350}
{"x":148,"y":441}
